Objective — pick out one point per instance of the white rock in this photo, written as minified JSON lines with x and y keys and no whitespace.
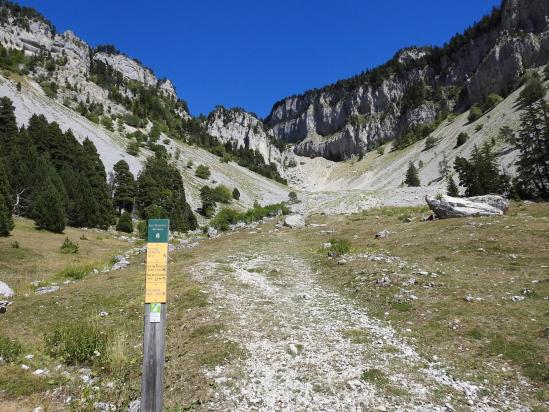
{"x":294,"y":221}
{"x":47,"y":289}
{"x":5,"y":290}
{"x":448,"y":207}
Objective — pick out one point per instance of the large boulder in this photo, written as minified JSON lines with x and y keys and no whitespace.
{"x":446,"y":207}
{"x":5,"y":290}
{"x":294,"y":221}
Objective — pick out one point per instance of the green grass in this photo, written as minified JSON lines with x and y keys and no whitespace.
{"x":522,"y":353}
{"x":75,"y":272}
{"x":16,"y":382}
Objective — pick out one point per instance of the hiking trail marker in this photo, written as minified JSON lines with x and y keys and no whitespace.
{"x":154,"y":338}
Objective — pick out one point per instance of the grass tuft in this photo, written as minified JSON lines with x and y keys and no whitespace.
{"x":77,"y":343}
{"x":9,"y":349}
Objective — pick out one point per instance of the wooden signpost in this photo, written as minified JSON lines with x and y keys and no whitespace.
{"x":152,"y":380}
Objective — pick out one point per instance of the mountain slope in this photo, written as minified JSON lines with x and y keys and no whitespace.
{"x":418,"y":86}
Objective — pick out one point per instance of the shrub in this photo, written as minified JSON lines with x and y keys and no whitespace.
{"x":15,"y":245}
{"x":236,"y":194}
{"x":462,"y":138}
{"x":291,"y":163}
{"x":190,"y":164}
{"x":133,"y":148}
{"x":292,"y":197}
{"x":226,"y":216}
{"x":77,"y":343}
{"x":491,"y":101}
{"x":381,"y":150}
{"x":479,"y":127}
{"x":475,"y":113}
{"x":202,"y":172}
{"x":9,"y":349}
{"x":69,"y":246}
{"x":125,"y":223}
{"x":75,"y":272}
{"x":430,"y":142}
{"x":339,"y":247}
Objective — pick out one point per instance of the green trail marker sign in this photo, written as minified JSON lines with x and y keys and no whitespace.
{"x":154,"y":338}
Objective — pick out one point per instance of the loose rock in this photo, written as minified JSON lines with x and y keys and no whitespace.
{"x":294,"y":221}
{"x":5,"y":290}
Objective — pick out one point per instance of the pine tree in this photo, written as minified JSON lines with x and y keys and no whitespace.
{"x":452,"y":188}
{"x":5,"y":218}
{"x":160,"y":189}
{"x":6,"y":206}
{"x":48,"y":210}
{"x":412,"y":176}
{"x":124,"y":187}
{"x":480,"y":174}
{"x":533,"y":143}
{"x":125,"y":223}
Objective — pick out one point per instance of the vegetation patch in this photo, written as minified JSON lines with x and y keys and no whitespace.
{"x":69,"y":246}
{"x":79,"y":343}
{"x":339,"y":247}
{"x":9,"y":349}
{"x":75,"y":272}
{"x":375,"y":376}
{"x":227,"y":217}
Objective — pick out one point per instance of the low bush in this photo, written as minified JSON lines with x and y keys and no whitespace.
{"x":75,"y":272}
{"x":9,"y":349}
{"x":462,"y":138}
{"x":475,"y":113}
{"x":226,"y":217}
{"x":77,"y":343}
{"x":69,"y":246}
{"x":339,"y":247}
{"x":202,"y":172}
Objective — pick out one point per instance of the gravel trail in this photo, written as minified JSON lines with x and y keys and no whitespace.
{"x":308,"y":348}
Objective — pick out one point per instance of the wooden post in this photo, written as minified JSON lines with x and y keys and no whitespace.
{"x":152,"y":380}
{"x":154,"y":344}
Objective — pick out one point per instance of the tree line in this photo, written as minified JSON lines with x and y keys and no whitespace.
{"x":46,"y":175}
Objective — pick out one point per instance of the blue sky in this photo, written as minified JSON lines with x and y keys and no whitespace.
{"x":251,"y":53}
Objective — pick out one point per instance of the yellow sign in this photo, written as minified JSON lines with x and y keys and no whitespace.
{"x":156,"y":274}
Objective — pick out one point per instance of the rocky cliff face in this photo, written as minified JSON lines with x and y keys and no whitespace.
{"x":35,"y":37}
{"x":244,"y":130}
{"x":354,"y":115}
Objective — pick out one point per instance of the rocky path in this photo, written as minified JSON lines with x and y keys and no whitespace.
{"x":308,"y":348}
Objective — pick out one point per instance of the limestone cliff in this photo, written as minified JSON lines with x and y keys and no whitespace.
{"x":417,"y":85}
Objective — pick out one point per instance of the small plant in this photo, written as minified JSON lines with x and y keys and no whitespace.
{"x":15,"y":244}
{"x":77,"y":343}
{"x":381,"y":150}
{"x":9,"y":349}
{"x":479,"y":127}
{"x":190,"y":164}
{"x":475,"y":113}
{"x":339,"y":247}
{"x":202,"y":172}
{"x":375,"y":376}
{"x":438,"y":196}
{"x":83,"y":237}
{"x":69,"y":246}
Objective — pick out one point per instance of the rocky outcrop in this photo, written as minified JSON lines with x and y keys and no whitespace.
{"x":294,"y":221}
{"x":72,"y":55}
{"x":244,"y":130}
{"x":446,"y":207}
{"x":353,"y":115}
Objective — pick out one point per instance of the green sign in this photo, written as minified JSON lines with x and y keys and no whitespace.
{"x":157,"y":231}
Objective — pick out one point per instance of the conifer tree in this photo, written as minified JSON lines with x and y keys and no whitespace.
{"x":48,"y":210}
{"x":412,"y":176}
{"x":125,"y":223}
{"x":124,"y":187}
{"x":452,"y":188}
{"x":480,"y":174}
{"x":160,"y":191}
{"x":533,"y":143}
{"x":5,"y":218}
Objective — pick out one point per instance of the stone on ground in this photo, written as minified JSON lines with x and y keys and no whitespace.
{"x":294,"y":221}
{"x":446,"y":207}
{"x":5,"y":290}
